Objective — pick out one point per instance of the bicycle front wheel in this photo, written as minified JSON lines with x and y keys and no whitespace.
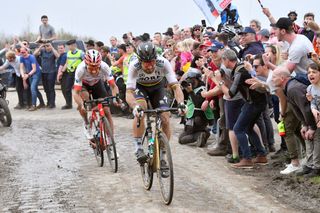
{"x":165,"y":172}
{"x":146,"y":169}
{"x":96,"y":144}
{"x":110,"y":145}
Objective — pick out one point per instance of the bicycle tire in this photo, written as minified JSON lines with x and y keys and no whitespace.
{"x":165,"y":189}
{"x":146,"y":169}
{"x":98,"y":150}
{"x":110,"y":145}
{"x":5,"y":115}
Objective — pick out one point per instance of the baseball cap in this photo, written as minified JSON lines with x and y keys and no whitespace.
{"x":125,"y":36}
{"x":206,"y":44}
{"x":283,"y":23}
{"x":169,"y":32}
{"x":216,"y":46}
{"x":72,"y":41}
{"x":264,"y":32}
{"x":209,"y":34}
{"x":90,"y":42}
{"x":247,"y":30}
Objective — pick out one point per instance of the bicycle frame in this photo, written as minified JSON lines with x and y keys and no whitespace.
{"x":99,"y":108}
{"x":98,"y":117}
{"x":155,"y":159}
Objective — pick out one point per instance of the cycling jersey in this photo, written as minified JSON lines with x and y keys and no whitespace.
{"x":83,"y":76}
{"x":162,"y":69}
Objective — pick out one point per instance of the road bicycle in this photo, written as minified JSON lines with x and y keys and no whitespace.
{"x":159,"y":159}
{"x":103,"y":139}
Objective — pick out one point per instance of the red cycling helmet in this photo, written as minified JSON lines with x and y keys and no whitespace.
{"x":93,"y":58}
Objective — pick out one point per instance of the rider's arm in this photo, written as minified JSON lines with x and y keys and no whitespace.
{"x":178,"y":94}
{"x":131,"y":86}
{"x":78,"y":86}
{"x":109,"y":78}
{"x":114,"y":87}
{"x":77,"y":98}
{"x":130,"y":99}
{"x":172,"y":80}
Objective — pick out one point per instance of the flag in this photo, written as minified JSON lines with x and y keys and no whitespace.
{"x":212,"y":8}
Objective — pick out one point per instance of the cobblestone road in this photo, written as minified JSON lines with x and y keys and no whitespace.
{"x":47,"y":166}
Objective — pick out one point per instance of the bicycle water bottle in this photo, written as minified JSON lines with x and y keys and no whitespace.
{"x":150,"y":146}
{"x":98,"y":134}
{"x":281,"y":129}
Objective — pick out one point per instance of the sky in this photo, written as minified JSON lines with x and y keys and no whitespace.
{"x":101,"y":19}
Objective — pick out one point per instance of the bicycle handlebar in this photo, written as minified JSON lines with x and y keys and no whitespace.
{"x":157,"y":111}
{"x":99,"y":100}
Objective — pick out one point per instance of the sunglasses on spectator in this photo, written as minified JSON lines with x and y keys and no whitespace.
{"x":197,"y":29}
{"x":23,"y":52}
{"x":169,"y":45}
{"x":256,"y":66}
{"x":25,"y":44}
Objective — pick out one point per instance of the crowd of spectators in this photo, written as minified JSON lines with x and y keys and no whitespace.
{"x":235,"y":83}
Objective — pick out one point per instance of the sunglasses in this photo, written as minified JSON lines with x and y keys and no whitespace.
{"x":256,"y":66}
{"x":148,"y":63}
{"x":23,"y":52}
{"x":168,"y":45}
{"x":196,"y":29}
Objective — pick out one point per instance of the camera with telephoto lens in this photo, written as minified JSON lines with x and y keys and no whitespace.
{"x":185,"y":84}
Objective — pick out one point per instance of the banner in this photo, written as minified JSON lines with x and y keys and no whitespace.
{"x":212,"y":8}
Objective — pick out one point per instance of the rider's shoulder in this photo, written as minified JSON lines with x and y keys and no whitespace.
{"x":104,"y":65}
{"x":136,"y":64}
{"x":160,"y":61}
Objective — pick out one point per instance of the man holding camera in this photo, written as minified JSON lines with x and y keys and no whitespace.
{"x":197,"y":120}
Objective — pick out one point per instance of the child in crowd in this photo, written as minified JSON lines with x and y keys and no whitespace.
{"x":313,"y":95}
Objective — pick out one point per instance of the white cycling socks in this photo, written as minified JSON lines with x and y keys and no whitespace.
{"x":137,"y":143}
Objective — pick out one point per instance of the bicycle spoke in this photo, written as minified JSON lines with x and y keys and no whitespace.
{"x":165,"y":172}
{"x":110,"y":146}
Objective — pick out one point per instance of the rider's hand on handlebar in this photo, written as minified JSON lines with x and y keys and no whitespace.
{"x":182,"y":109}
{"x":137,"y":111}
{"x":117,"y":102}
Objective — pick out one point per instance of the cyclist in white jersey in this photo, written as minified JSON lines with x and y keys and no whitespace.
{"x":147,"y":77}
{"x":89,"y":78}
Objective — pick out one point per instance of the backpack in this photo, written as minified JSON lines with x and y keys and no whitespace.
{"x":301,"y":77}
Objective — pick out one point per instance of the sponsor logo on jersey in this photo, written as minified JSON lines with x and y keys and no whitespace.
{"x":149,"y":79}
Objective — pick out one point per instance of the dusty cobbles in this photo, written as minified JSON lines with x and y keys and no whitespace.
{"x":47,"y":166}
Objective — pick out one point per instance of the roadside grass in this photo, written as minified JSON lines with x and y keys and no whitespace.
{"x":316,"y":180}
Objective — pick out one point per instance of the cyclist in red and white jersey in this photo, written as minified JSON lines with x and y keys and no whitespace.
{"x":147,"y":77}
{"x":90,"y":77}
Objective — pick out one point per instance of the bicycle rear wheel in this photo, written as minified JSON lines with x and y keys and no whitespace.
{"x":110,"y":144}
{"x":5,"y":115}
{"x":165,"y":172}
{"x":146,"y":169}
{"x":98,"y":149}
